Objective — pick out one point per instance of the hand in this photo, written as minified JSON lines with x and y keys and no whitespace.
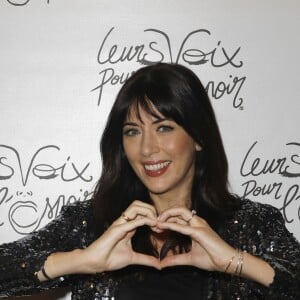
{"x":208,"y":250}
{"x":113,"y":250}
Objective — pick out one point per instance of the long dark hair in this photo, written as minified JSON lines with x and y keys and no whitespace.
{"x":177,"y":93}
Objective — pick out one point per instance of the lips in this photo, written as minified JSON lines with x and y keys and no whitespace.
{"x":156,"y":168}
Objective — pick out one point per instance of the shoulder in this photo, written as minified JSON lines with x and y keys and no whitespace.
{"x":256,"y":225}
{"x":259,"y":211}
{"x":83,"y":207}
{"x":80,"y":214}
{"x":79,"y":211}
{"x":256,"y":216}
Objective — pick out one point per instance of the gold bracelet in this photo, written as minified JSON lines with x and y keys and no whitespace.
{"x":242,"y":262}
{"x":238,"y":262}
{"x":231,"y":260}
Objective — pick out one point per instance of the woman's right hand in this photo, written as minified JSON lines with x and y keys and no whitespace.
{"x":113,"y":250}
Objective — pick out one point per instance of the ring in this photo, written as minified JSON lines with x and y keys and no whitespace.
{"x":126,"y":218}
{"x":193,"y":213}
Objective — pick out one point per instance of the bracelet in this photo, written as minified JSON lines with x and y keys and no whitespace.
{"x":231,"y":260}
{"x":45,"y":274}
{"x":240,"y":262}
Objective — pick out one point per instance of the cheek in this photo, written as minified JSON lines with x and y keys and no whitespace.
{"x":130,"y":152}
{"x":180,"y":147}
{"x":127,"y":147}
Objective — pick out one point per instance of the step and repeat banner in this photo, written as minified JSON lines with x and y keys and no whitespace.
{"x":62,"y":63}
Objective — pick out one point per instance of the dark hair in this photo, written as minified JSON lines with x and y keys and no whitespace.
{"x":177,"y":93}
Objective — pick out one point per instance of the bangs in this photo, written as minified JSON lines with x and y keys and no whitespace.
{"x":145,"y":104}
{"x":158,"y":107}
{"x":159,"y":93}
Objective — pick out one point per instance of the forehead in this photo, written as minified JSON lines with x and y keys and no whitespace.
{"x":141,"y":112}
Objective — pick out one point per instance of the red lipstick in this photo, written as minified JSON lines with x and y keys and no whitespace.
{"x":157,"y":168}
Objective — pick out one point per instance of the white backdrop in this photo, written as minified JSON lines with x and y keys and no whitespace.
{"x":62,"y":63}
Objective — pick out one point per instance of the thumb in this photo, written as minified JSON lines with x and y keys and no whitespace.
{"x":176,"y":260}
{"x":146,"y":260}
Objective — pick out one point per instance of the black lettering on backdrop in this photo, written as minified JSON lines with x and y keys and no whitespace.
{"x":217,"y":91}
{"x":256,"y":166}
{"x":190,"y":56}
{"x":4,"y":198}
{"x":21,"y":204}
{"x":257,"y":169}
{"x":153,"y":51}
{"x":67,"y":171}
{"x":291,"y":196}
{"x":40,"y":212}
{"x":20,"y":2}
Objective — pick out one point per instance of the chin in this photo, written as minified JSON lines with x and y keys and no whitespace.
{"x":157,"y":190}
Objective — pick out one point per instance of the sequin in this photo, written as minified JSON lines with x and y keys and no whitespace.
{"x":256,"y":228}
{"x":23,"y":265}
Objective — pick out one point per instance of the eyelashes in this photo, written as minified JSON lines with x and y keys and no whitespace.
{"x":136,"y":131}
{"x":130,"y":132}
{"x":165,"y":128}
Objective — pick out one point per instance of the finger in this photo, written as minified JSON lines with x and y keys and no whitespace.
{"x":117,"y":232}
{"x":203,"y":236}
{"x":145,"y":205}
{"x":179,"y":212}
{"x":121,"y":230}
{"x":146,"y":260}
{"x":184,"y":229}
{"x":176,"y":260}
{"x":177,"y":220}
{"x":156,"y":229}
{"x":136,"y":210}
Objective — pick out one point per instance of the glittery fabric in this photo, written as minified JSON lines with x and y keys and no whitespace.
{"x":256,"y":228}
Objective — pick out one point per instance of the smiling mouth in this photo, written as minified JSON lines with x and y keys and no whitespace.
{"x":156,"y":169}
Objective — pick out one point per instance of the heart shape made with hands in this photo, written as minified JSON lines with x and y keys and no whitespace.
{"x":164,"y":239}
{"x":206,"y":250}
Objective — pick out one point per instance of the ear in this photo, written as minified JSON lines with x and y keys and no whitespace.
{"x":198,"y":147}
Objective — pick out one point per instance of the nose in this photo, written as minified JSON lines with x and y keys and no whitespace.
{"x":149,"y":144}
{"x":24,"y":193}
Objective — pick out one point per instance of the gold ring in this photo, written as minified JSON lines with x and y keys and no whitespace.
{"x":193,"y":213}
{"x":126,"y":218}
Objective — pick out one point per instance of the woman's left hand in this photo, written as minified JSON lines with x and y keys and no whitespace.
{"x":208,"y":250}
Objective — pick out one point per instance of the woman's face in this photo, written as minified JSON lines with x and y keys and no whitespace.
{"x":160,"y":152}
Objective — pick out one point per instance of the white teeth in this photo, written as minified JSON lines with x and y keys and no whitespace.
{"x":156,"y":166}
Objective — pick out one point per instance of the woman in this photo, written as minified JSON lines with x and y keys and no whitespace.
{"x":162,"y":223}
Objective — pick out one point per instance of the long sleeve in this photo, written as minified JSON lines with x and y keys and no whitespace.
{"x":260,"y":230}
{"x":282,"y":251}
{"x":20,"y":259}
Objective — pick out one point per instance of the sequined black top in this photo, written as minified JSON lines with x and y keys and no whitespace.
{"x":256,"y":228}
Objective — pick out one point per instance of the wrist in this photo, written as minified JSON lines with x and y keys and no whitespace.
{"x":88,"y":263}
{"x":251,"y":267}
{"x":235,"y":264}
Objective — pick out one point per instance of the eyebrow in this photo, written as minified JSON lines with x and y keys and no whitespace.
{"x":130,"y":124}
{"x":154,"y":122}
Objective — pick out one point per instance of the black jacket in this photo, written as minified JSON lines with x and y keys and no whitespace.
{"x":256,"y":228}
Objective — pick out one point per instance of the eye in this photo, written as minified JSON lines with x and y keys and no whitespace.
{"x":165,"y":128}
{"x":130,"y":132}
